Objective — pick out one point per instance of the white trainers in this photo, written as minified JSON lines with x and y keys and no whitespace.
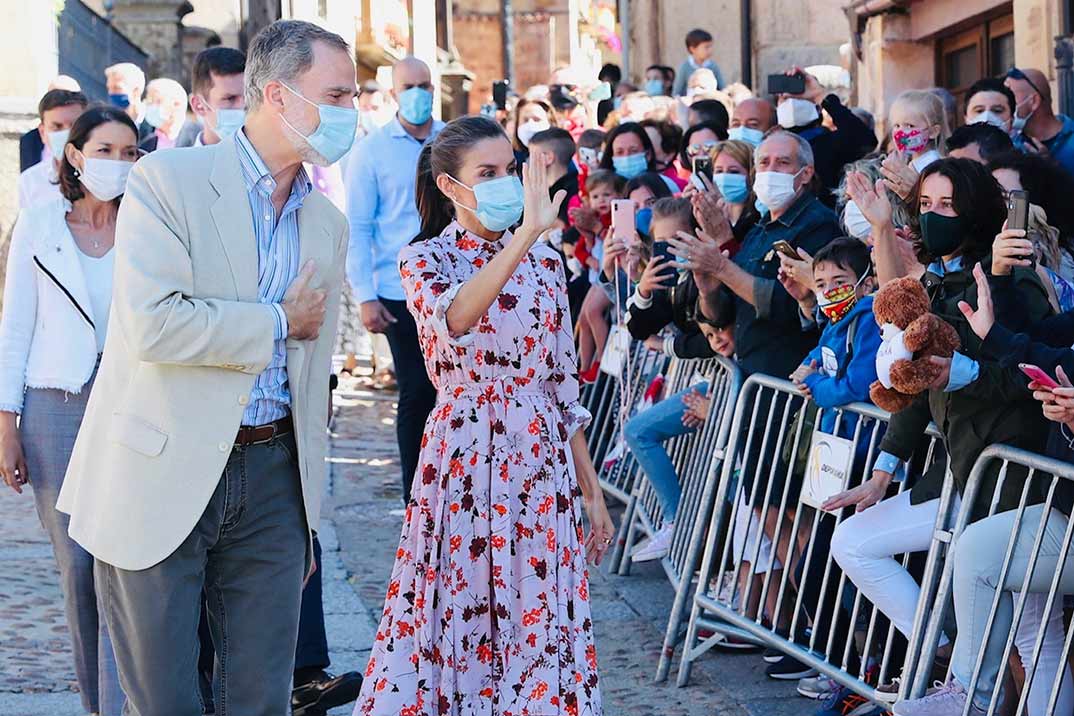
{"x":656,"y":547}
{"x":817,"y":687}
{"x":947,"y":700}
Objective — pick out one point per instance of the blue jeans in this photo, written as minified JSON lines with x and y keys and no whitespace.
{"x":646,"y":433}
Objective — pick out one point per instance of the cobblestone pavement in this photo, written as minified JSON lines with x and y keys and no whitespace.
{"x":362,"y":520}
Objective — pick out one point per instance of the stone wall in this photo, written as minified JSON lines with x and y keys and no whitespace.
{"x":782,"y":34}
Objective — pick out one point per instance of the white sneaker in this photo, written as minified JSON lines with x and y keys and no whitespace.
{"x":817,"y":687}
{"x":948,"y":700}
{"x":654,"y":548}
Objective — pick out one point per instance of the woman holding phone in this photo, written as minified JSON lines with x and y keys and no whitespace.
{"x":487,"y":609}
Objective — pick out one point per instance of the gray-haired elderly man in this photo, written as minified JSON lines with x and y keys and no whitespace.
{"x":200,"y":462}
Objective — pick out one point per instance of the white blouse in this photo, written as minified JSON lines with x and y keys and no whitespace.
{"x":98,"y":273}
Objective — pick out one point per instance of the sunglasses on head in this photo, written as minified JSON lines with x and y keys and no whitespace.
{"x":704,"y":147}
{"x":1016,"y":74}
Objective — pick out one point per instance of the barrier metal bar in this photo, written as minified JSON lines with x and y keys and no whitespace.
{"x":1024,"y":588}
{"x":616,"y":474}
{"x":751,"y":473}
{"x":691,"y":455}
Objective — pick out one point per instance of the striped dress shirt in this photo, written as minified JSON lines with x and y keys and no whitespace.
{"x":277,"y":267}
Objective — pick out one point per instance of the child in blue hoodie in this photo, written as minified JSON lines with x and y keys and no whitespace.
{"x":843,"y":365}
{"x":837,"y":372}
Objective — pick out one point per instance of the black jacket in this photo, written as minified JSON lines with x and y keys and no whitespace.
{"x":770,"y":337}
{"x":832,"y":151}
{"x":30,"y":149}
{"x":995,"y":408}
{"x":677,"y":305}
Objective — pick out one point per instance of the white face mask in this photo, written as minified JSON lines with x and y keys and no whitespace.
{"x":794,"y":112}
{"x":57,"y":141}
{"x":527,"y":130}
{"x":105,"y":178}
{"x":990,"y":117}
{"x":855,"y":222}
{"x":775,"y":189}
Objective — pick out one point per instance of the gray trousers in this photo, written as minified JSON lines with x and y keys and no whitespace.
{"x":979,"y":555}
{"x":248,"y":554}
{"x":49,"y":424}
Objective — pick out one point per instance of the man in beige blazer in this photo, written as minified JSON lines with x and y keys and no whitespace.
{"x":201,"y":459}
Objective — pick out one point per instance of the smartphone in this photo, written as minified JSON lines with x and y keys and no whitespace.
{"x":623,"y":220}
{"x":499,"y":94}
{"x":1038,"y":375}
{"x":661,"y":251}
{"x":1018,"y":214}
{"x":786,"y":84}
{"x":703,"y":165}
{"x":787,"y":250}
{"x":488,"y":110}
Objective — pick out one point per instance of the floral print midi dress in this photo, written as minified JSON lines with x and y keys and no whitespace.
{"x":487,"y":611}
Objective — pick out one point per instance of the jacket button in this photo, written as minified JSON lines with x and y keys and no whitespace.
{"x":224,"y":447}
{"x":244,"y":399}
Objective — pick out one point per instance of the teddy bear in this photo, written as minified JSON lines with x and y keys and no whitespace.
{"x":911,"y":334}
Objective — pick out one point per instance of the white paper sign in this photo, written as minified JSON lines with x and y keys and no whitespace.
{"x":828,"y":469}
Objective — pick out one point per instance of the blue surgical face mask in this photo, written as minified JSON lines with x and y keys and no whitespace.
{"x":335,"y":133}
{"x":643,"y":220}
{"x":745,"y":134}
{"x":120,"y":99}
{"x":654,"y":88}
{"x":229,"y":121}
{"x":631,"y":165}
{"x":760,"y":207}
{"x":617,"y":102}
{"x":416,"y":105}
{"x":499,"y":201}
{"x":733,"y":187}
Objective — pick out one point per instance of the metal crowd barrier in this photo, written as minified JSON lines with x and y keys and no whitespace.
{"x":691,"y":454}
{"x":1047,"y":476}
{"x":605,"y":400}
{"x":752,"y":473}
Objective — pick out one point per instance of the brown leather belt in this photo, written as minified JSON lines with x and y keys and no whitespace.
{"x":255,"y":434}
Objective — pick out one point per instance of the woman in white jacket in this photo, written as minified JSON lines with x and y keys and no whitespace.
{"x":56,"y":303}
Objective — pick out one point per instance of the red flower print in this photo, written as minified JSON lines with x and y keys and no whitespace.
{"x":484,"y":653}
{"x":487,"y":692}
{"x":531,"y":617}
{"x":507,"y":301}
{"x":393,"y":590}
{"x":404,"y":629}
{"x":455,"y":467}
{"x":428,"y":475}
{"x":456,"y":542}
{"x":550,"y":538}
{"x":583,"y":591}
{"x":381,"y":683}
{"x":539,"y":691}
{"x":498,"y":542}
{"x":535,"y":427}
{"x":540,"y":567}
{"x":532,"y":639}
{"x":500,"y":509}
{"x":591,"y":656}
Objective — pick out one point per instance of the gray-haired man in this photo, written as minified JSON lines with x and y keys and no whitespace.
{"x":200,"y":462}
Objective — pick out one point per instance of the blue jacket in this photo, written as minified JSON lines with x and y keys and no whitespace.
{"x":852,"y":386}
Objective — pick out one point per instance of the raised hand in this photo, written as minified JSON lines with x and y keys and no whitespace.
{"x":711,"y":213}
{"x":540,"y":211}
{"x":698,"y":253}
{"x":899,"y":175}
{"x":813,"y":91}
{"x":1010,"y":249}
{"x":658,"y":275}
{"x":982,"y":319}
{"x":614,"y":254}
{"x":871,"y":198}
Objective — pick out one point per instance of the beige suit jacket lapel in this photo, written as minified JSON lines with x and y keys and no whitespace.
{"x":234,"y":220}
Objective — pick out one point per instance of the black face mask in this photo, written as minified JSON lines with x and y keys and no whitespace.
{"x":941,"y":235}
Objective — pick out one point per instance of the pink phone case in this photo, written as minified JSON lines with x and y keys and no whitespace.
{"x":623,"y":219}
{"x":1038,"y":375}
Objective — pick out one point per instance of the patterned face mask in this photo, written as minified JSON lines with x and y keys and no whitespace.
{"x":835,"y":303}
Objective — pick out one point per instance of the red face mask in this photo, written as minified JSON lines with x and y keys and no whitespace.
{"x":836,"y":303}
{"x":912,"y":140}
